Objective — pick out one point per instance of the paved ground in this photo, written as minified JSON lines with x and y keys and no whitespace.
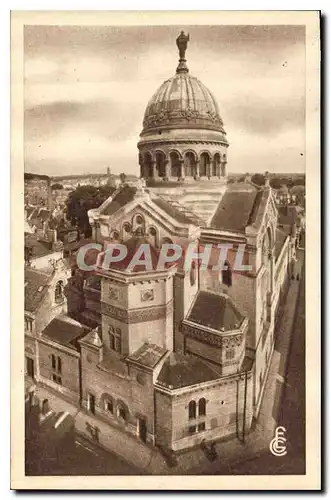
{"x":234,"y":457}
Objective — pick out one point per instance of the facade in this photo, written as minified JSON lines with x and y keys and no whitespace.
{"x":174,"y":355}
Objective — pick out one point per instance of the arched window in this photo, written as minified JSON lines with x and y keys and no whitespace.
{"x":204,"y":165}
{"x":153,"y":236}
{"x":192,"y":410}
{"x":193,"y":274}
{"x":109,"y":405}
{"x":202,"y":407}
{"x":59,"y":292}
{"x":121,"y":412}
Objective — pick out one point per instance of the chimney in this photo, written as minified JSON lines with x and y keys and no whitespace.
{"x":267,"y":179}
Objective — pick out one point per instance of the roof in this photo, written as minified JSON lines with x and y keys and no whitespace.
{"x":215,"y":311}
{"x":180,"y":370}
{"x":40,"y":248}
{"x":177,"y":211}
{"x":132,"y":246}
{"x":35,"y":287}
{"x":181,"y":100}
{"x":124,"y":195}
{"x":93,"y":338}
{"x":237,"y":208}
{"x":280,"y":240}
{"x":65,"y":331}
{"x":148,"y":355}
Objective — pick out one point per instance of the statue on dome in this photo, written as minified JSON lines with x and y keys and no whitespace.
{"x":181,"y":41}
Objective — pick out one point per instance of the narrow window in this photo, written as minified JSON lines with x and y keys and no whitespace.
{"x":202,"y":426}
{"x":192,"y":410}
{"x":202,"y":407}
{"x":192,"y":429}
{"x":53,"y":362}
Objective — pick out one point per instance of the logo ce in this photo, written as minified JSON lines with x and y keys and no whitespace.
{"x":278,"y":443}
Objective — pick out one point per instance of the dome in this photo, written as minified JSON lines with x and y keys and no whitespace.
{"x":183,"y":138}
{"x":182,"y":102}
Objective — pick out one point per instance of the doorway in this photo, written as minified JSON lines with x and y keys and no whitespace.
{"x":142,"y":429}
{"x":91,"y":403}
{"x":30,"y":367}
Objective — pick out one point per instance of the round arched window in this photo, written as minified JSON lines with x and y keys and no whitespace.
{"x":152,"y":231}
{"x":139,"y":219}
{"x":127,"y":227}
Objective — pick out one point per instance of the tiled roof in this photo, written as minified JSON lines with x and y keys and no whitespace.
{"x":215,"y":311}
{"x":177,"y":211}
{"x":280,"y":240}
{"x":181,"y":370}
{"x":35,"y":287}
{"x":148,"y":355}
{"x":120,"y":198}
{"x":65,"y":331}
{"x":237,"y":209}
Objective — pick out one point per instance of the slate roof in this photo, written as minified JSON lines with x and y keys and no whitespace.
{"x":35,"y":287}
{"x":215,"y":311}
{"x":120,"y":198}
{"x":180,"y":370}
{"x":280,"y":240}
{"x":237,"y":209}
{"x":148,"y":355}
{"x":65,"y":331}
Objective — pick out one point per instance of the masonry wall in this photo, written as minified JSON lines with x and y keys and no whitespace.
{"x":225,"y":401}
{"x":124,"y":387}
{"x":70,"y":373}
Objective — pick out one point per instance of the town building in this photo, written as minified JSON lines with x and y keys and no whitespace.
{"x":175,"y":356}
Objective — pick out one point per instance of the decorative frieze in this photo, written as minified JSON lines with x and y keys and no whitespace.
{"x":225,"y":342}
{"x":140,"y":315}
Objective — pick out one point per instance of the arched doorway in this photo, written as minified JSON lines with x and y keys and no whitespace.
{"x":160,"y":164}
{"x":190,"y":164}
{"x":175,"y":164}
{"x":204,"y":164}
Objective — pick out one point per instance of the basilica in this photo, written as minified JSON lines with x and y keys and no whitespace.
{"x":173,"y":356}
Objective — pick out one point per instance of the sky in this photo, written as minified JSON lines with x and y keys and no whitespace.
{"x":86,"y":89}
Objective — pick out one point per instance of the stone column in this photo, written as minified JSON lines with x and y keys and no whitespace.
{"x":223,"y":168}
{"x":182,"y":169}
{"x":167,"y":170}
{"x":197,"y":169}
{"x":155,"y":174}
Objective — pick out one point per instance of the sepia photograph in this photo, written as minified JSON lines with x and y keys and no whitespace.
{"x":164,"y":170}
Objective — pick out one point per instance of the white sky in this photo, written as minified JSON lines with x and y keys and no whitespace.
{"x":86,"y":89}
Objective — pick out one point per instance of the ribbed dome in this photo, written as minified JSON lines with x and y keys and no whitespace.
{"x":182,"y":102}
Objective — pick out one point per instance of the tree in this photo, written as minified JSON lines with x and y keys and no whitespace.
{"x":242,"y":178}
{"x":81,"y":200}
{"x":230,"y":180}
{"x":57,"y":186}
{"x":258,"y":179}
{"x":275,"y":183}
{"x":123,"y":177}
